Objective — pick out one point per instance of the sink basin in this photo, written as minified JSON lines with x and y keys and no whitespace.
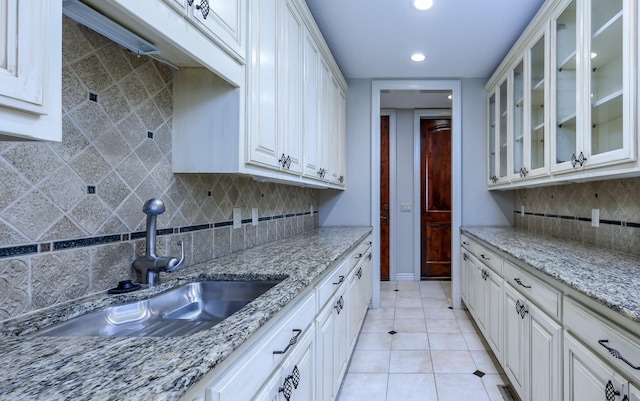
{"x":181,"y":311}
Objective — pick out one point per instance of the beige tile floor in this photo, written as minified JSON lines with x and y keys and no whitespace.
{"x":432,"y":357}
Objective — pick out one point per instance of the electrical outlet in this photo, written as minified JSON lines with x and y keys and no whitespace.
{"x":595,"y":217}
{"x":237,"y":217}
{"x":254,"y":216}
{"x":522,"y":210}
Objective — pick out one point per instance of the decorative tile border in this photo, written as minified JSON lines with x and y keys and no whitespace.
{"x":107,"y":239}
{"x":586,"y":219}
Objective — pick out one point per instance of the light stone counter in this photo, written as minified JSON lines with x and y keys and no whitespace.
{"x":610,"y":278}
{"x":161,"y":368}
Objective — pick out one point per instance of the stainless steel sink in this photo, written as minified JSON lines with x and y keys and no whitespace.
{"x":181,"y":311}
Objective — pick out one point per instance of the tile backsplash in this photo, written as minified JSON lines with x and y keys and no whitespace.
{"x":71,"y":219}
{"x":565,"y":211}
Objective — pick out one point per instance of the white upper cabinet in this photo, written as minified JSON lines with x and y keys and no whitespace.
{"x":572,"y":96}
{"x":275,"y":90}
{"x":599,"y":131}
{"x":221,"y":20}
{"x":282,"y":130}
{"x":30,"y":70}
{"x":498,"y":129}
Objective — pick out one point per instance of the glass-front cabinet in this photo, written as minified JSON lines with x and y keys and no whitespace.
{"x":564,"y":100}
{"x":498,"y":129}
{"x":595,"y":88}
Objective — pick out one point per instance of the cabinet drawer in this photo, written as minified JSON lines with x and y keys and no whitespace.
{"x":332,"y":282}
{"x":489,"y":258}
{"x":600,"y":334}
{"x":261,"y":359}
{"x":468,"y":243}
{"x":359,"y":253}
{"x":541,"y":294}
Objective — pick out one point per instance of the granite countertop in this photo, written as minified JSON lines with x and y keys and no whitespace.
{"x":610,"y":278}
{"x":161,"y":368}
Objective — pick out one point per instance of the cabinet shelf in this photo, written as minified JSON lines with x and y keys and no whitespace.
{"x":568,"y":63}
{"x":538,"y":85}
{"x":537,"y":127}
{"x":607,"y":108}
{"x":607,"y":25}
{"x":570,"y":120}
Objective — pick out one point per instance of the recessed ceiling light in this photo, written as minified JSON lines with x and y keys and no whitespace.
{"x":417,"y":57}
{"x":422,"y":4}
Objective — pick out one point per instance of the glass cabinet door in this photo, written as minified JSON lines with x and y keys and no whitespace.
{"x":606,"y":72}
{"x":503,"y":129}
{"x":564,"y":30}
{"x":536,"y":148}
{"x":492,"y":129}
{"x":518,"y":121}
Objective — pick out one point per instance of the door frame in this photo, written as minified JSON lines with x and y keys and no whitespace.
{"x":418,"y":115}
{"x":392,"y":189}
{"x":455,"y":87}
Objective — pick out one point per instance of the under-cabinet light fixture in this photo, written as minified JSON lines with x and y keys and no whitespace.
{"x":105,"y":26}
{"x":594,"y":55}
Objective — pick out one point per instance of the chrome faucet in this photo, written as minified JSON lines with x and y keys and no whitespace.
{"x":149,"y":266}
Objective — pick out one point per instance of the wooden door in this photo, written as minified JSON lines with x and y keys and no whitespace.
{"x":384,"y":198}
{"x":435,"y":202}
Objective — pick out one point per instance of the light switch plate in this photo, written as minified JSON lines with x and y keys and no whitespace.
{"x":237,"y":217}
{"x":405,"y":207}
{"x":595,"y":217}
{"x":254,"y":216}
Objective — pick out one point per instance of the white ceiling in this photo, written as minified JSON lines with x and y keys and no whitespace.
{"x":460,"y":38}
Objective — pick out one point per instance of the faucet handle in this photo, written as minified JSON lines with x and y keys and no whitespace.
{"x":175,"y":264}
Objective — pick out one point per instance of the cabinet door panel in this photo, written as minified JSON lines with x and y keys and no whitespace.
{"x":311,"y":100}
{"x":586,"y":376}
{"x":325,"y":343}
{"x":515,"y":341}
{"x":262,"y":122}
{"x":495,"y":322}
{"x":545,"y":346}
{"x":289,"y":104}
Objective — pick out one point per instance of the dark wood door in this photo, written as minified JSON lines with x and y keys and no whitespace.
{"x":435,"y":203}
{"x":384,"y":198}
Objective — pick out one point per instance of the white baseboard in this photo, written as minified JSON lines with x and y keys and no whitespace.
{"x":405,"y":277}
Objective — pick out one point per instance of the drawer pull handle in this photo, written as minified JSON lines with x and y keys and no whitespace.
{"x":517,"y":280}
{"x":292,"y":342}
{"x":465,"y":243}
{"x":339,"y":281}
{"x":358,"y":256}
{"x":295,"y":377}
{"x":484,"y":257}
{"x":616,"y":354}
{"x":521,"y":309}
{"x":610,"y":392}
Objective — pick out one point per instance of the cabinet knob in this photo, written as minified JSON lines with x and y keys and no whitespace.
{"x":204,"y":8}
{"x":578,"y":160}
{"x":610,"y":392}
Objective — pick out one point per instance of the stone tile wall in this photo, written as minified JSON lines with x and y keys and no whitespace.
{"x":564,"y":211}
{"x":71,"y":219}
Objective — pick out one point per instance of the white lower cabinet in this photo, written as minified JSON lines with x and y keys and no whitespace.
{"x":295,"y":380}
{"x":588,"y":378}
{"x":303,"y":354}
{"x":532,"y":349}
{"x":556,"y":344}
